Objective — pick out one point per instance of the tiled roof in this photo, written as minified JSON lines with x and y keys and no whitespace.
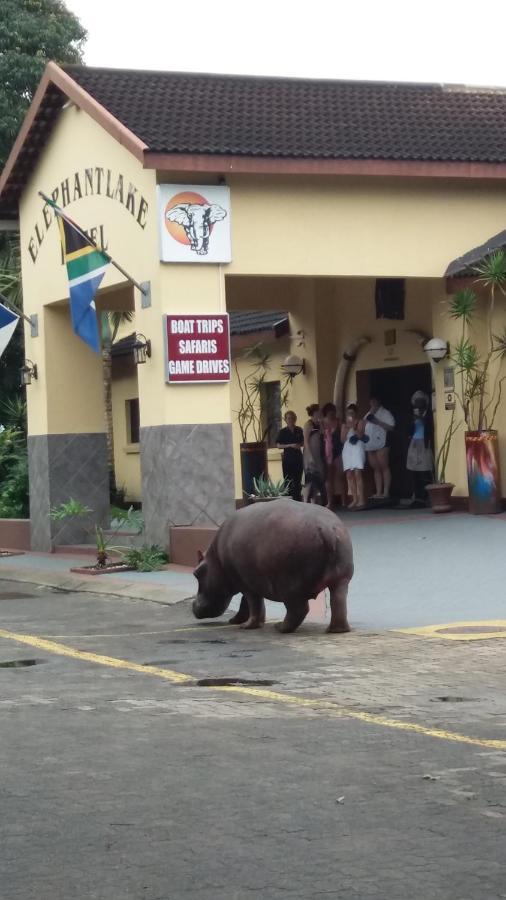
{"x":254,"y":322}
{"x":174,"y":112}
{"x":466,"y":265}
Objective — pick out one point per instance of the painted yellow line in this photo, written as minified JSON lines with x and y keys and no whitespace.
{"x":259,"y":693}
{"x":112,"y":661}
{"x":439,"y":631}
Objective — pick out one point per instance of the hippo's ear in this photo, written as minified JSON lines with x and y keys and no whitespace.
{"x":200,"y":555}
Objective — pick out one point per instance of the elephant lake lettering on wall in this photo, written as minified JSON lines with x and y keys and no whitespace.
{"x":194,"y":223}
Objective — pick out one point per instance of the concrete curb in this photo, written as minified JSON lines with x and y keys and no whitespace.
{"x":107,"y":585}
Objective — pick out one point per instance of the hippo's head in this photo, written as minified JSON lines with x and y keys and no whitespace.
{"x":213,"y":596}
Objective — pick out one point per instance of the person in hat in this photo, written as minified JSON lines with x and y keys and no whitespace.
{"x":420,"y":458}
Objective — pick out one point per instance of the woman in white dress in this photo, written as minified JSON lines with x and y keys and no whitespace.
{"x":352,"y":437}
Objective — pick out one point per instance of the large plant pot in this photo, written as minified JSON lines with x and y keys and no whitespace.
{"x":483,"y":472}
{"x":253,"y":464}
{"x":440,"y":497}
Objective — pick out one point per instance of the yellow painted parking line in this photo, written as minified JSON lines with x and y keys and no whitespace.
{"x":62,"y":650}
{"x":259,"y":693}
{"x":461,"y":631}
{"x":334,"y":709}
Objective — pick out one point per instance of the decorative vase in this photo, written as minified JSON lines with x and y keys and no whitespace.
{"x":483,"y":472}
{"x":440,"y":496}
{"x":253,"y":464}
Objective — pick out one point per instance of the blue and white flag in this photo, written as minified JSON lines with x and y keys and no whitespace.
{"x":8,"y":322}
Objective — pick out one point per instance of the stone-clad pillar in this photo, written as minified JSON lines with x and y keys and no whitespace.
{"x":186,"y":433}
{"x":67,"y":451}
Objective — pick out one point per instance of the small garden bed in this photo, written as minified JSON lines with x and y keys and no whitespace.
{"x":11,"y":553}
{"x":108,"y":569}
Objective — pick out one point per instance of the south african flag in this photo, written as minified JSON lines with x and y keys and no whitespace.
{"x":86,"y":266}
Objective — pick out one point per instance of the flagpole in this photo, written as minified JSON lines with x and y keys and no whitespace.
{"x":12,"y":306}
{"x":92,"y":243}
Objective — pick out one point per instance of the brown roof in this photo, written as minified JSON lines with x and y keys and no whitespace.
{"x":174,"y":112}
{"x":190,"y":122}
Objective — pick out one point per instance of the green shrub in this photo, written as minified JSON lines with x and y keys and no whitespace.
{"x":145,"y":559}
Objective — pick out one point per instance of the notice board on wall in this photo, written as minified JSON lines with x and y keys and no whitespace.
{"x":197,"y":348}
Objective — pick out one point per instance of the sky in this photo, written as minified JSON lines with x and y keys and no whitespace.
{"x":452,"y":41}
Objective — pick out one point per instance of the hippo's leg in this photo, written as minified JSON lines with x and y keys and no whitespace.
{"x":338,"y":612}
{"x":295,"y":615}
{"x":242,"y":614}
{"x":256,"y":612}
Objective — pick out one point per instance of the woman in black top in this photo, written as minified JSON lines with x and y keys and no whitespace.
{"x":291,"y":441}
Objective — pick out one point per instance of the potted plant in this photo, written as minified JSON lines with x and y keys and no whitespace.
{"x":120,"y":519}
{"x":251,"y":417}
{"x":479,"y":385}
{"x":441,"y":490}
{"x":266,"y":489}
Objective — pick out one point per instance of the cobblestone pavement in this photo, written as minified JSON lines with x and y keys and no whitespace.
{"x":119,"y":782}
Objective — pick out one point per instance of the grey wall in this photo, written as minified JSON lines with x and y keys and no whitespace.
{"x":187,"y":477}
{"x":63,"y":466}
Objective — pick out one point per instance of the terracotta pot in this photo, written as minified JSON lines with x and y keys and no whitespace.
{"x":440,"y":496}
{"x":253,"y":464}
{"x":483,"y":472}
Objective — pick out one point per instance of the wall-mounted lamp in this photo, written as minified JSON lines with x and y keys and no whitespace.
{"x":142,"y":349}
{"x":293,"y":365}
{"x":27,"y":372}
{"x":436,"y":349}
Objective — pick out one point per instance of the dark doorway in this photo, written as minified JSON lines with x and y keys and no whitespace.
{"x":394,"y":387}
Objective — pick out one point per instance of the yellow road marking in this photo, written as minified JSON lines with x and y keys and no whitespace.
{"x":259,"y":693}
{"x":438,"y":631}
{"x":112,"y":661}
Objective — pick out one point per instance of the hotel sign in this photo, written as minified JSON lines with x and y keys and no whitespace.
{"x":197,"y":349}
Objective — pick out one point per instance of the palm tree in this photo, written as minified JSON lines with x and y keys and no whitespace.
{"x":111,"y":322}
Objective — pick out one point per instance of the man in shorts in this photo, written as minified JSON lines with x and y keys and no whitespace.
{"x":379,"y":424}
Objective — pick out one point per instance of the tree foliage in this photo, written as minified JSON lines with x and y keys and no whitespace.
{"x":32,"y":32}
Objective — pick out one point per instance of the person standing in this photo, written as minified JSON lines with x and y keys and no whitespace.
{"x":379,"y":425}
{"x":420,"y":459}
{"x":291,"y":441}
{"x":352,"y":437}
{"x":333,"y":455}
{"x":314,"y":459}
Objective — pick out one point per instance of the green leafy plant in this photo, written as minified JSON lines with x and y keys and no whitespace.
{"x":146,"y":558}
{"x":266,"y":487}
{"x":479,"y":374}
{"x":250,"y":415}
{"x":13,"y":413}
{"x":13,"y":474}
{"x":120,"y":519}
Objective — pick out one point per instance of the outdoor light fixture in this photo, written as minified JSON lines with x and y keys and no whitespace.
{"x":142,"y":349}
{"x":293,"y":365}
{"x":27,"y":372}
{"x":436,"y":349}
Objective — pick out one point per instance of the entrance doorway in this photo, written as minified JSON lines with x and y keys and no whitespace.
{"x":394,"y":387}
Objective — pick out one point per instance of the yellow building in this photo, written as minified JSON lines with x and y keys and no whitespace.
{"x":339,"y":204}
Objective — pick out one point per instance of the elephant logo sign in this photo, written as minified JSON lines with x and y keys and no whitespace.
{"x":196,"y":217}
{"x":194,"y":223}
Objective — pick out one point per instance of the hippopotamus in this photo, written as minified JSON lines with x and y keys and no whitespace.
{"x":280,"y":550}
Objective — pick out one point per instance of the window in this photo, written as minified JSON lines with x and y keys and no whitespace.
{"x":389,"y":296}
{"x":271,"y":410}
{"x":132,"y":420}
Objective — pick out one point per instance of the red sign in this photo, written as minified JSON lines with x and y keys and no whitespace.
{"x":197,"y":348}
